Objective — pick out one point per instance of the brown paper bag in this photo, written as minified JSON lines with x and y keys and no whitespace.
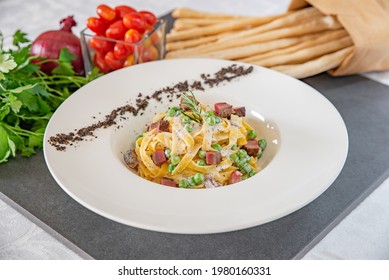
{"x":367,"y":22}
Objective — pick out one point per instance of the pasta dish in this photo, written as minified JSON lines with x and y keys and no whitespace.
{"x":196,"y":146}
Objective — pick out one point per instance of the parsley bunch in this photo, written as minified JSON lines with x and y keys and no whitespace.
{"x":28,"y":96}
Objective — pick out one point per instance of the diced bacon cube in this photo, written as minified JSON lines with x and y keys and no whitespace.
{"x":236,"y":176}
{"x":162,"y":125}
{"x":223,"y":109}
{"x":168,"y":182}
{"x":252,"y":147}
{"x":212,"y":158}
{"x":240,"y":111}
{"x":159,"y":157}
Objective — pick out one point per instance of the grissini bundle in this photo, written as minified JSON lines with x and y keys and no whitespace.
{"x":299,"y":43}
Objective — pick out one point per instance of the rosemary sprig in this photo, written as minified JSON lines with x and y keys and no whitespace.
{"x":192,"y":103}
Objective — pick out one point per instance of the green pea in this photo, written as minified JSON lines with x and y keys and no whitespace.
{"x":241,"y":163}
{"x":202,"y":154}
{"x":251,"y":134}
{"x":245,"y":177}
{"x":183,"y":183}
{"x":252,"y":173}
{"x":168,"y":153}
{"x":201,"y":162}
{"x":246,"y":169}
{"x":189,"y":128}
{"x":198,"y":178}
{"x":246,"y":159}
{"x":234,"y":158}
{"x":171,"y":167}
{"x":139,"y":136}
{"x":217,"y":147}
{"x":208,"y":114}
{"x":210,"y":121}
{"x":186,"y":119}
{"x":191,"y":181}
{"x":175,"y":159}
{"x":242,"y":153}
{"x":218,"y":120}
{"x":234,"y":147}
{"x":262,"y":143}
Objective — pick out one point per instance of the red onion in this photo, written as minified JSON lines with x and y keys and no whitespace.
{"x":50,"y":43}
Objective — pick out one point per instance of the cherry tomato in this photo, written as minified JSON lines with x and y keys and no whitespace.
{"x":132,"y":36}
{"x":155,"y":36}
{"x":112,"y":62}
{"x":100,"y":44}
{"x":105,"y":12}
{"x":121,"y":11}
{"x":149,"y":28}
{"x":146,"y":43}
{"x":129,"y":61}
{"x":97,"y":25}
{"x":135,"y":21}
{"x":120,"y":51}
{"x":149,"y":17}
{"x":155,"y":39}
{"x":100,"y":62}
{"x":149,"y":53}
{"x":116,"y":30}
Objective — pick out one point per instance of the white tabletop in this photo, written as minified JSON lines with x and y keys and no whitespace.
{"x":361,"y":235}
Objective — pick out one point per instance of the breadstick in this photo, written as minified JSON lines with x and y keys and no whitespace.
{"x":306,"y":54}
{"x":316,"y":66}
{"x":230,"y":25}
{"x":324,"y":23}
{"x":189,"y":13}
{"x":239,"y":52}
{"x":288,"y":20}
{"x":200,"y":21}
{"x":261,"y":48}
{"x":315,"y":40}
{"x":179,"y":25}
{"x":173,"y":46}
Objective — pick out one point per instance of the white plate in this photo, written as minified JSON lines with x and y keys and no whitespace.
{"x":307,"y":148}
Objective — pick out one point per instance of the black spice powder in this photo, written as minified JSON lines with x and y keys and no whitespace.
{"x":61,"y":140}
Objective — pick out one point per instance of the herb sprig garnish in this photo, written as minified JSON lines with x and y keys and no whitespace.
{"x":191,"y":101}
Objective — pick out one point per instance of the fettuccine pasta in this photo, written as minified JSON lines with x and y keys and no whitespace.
{"x":193,"y":146}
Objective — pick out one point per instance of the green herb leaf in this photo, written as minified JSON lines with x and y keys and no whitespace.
{"x":28,"y":151}
{"x":66,"y":56}
{"x":7,"y":63}
{"x":4,"y":111}
{"x":22,"y":88}
{"x":22,"y":56}
{"x":29,"y":100}
{"x":16,"y":105}
{"x":35,"y":141}
{"x":65,"y":67}
{"x":19,"y":38}
{"x":4,"y":145}
{"x":12,"y":147}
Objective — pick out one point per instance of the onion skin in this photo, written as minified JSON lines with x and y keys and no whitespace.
{"x":49,"y":44}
